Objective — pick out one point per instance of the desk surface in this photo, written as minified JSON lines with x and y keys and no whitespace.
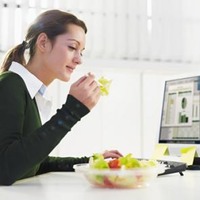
{"x":73,"y":186}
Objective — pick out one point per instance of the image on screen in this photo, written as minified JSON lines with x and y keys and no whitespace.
{"x":180,"y":119}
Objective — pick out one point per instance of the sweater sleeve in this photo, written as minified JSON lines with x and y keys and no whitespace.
{"x":22,"y":153}
{"x":51,"y":164}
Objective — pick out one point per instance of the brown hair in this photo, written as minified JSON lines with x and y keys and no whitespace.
{"x":52,"y":23}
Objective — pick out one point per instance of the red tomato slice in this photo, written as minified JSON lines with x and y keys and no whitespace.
{"x":107,"y":182}
{"x":114,"y":164}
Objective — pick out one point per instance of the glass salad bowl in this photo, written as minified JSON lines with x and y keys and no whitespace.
{"x":121,"y":177}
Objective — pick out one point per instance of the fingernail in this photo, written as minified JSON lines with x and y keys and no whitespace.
{"x":90,"y":74}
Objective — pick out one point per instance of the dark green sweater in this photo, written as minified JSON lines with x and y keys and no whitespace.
{"x":24,"y":142}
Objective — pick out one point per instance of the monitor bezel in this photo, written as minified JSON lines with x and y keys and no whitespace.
{"x":177,"y":141}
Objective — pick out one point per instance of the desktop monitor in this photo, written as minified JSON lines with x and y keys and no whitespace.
{"x":180,"y":118}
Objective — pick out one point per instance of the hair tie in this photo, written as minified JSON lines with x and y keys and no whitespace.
{"x":24,"y":45}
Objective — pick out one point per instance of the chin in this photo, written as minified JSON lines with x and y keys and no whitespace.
{"x":65,"y":79}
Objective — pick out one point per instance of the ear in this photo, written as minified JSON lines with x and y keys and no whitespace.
{"x":42,"y":42}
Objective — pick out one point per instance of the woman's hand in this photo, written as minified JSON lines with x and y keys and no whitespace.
{"x":86,"y":90}
{"x":112,"y":154}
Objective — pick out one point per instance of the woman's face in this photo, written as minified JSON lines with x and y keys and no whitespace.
{"x":62,"y":58}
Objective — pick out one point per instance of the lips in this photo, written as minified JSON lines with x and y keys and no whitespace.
{"x":70,"y":68}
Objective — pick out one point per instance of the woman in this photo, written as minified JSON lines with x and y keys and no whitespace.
{"x":55,"y":42}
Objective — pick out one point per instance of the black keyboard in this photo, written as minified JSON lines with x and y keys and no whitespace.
{"x":172,"y":167}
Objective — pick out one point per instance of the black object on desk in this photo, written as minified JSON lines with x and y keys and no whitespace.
{"x":173,"y":167}
{"x":195,"y":165}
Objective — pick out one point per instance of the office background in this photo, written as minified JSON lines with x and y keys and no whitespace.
{"x":138,"y":44}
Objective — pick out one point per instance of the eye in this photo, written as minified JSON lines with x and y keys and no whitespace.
{"x":71,"y":47}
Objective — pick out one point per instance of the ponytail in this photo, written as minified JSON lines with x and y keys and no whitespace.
{"x":16,"y":54}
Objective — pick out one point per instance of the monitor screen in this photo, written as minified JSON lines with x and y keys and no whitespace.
{"x":180,"y":120}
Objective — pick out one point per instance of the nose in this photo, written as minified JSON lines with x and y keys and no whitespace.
{"x":77,"y":58}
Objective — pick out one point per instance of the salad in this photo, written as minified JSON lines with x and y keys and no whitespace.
{"x":124,"y":172}
{"x":97,"y":161}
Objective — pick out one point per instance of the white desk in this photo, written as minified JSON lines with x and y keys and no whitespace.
{"x":72,"y":186}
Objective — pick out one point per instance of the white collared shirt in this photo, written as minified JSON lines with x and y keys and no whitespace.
{"x":36,"y":89}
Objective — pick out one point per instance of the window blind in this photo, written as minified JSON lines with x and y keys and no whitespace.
{"x":151,"y":30}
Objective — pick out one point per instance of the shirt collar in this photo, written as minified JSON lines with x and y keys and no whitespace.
{"x":33,"y":84}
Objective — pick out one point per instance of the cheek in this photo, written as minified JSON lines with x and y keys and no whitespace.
{"x":60,"y":56}
{"x":58,"y":52}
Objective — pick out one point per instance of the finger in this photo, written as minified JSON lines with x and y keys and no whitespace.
{"x":90,"y":74}
{"x":111,"y":155}
{"x":94,"y":85}
{"x":80,"y":80}
{"x":90,"y":79}
{"x":96,"y":95}
{"x":116,"y":152}
{"x":96,"y":92}
{"x":87,"y":79}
